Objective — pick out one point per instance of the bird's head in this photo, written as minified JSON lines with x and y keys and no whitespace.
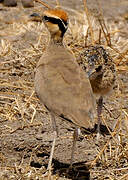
{"x":56,"y":21}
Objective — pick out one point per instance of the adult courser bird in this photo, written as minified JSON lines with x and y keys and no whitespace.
{"x":60,"y":83}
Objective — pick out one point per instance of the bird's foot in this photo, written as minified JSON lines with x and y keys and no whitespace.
{"x":47,"y":174}
{"x":98,"y":136}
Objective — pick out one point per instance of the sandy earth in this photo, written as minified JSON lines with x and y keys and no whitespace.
{"x":25,"y":129}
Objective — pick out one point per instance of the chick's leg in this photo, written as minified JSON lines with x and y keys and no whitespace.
{"x":75,"y":137}
{"x":99,"y":111}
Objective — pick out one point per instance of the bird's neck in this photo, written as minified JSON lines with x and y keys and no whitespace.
{"x":56,"y":40}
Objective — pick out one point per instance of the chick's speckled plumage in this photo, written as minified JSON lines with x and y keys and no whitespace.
{"x":96,"y":61}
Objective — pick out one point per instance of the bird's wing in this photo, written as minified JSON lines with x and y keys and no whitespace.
{"x":66,"y":91}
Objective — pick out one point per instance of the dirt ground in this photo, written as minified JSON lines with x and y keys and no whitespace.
{"x":25,"y":129}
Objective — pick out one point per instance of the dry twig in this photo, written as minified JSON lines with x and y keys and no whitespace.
{"x":88,"y":18}
{"x":44,"y":4}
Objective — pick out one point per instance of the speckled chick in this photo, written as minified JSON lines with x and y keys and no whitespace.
{"x":98,"y":64}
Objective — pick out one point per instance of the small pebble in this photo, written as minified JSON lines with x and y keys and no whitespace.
{"x":27,"y":3}
{"x":10,"y":3}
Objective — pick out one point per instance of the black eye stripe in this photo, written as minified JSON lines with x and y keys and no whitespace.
{"x":54,"y":20}
{"x":61,"y":23}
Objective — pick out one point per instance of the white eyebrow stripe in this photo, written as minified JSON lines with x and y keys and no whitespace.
{"x":63,"y":24}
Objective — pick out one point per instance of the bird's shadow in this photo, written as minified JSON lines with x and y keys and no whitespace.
{"x":103,"y":130}
{"x":79,"y":171}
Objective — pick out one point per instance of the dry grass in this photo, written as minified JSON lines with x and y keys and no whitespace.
{"x":21,"y":45}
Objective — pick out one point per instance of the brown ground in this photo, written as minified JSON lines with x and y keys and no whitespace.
{"x":26,"y":132}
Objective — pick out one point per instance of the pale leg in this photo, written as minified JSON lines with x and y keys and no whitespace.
{"x":54,"y":140}
{"x":53,"y":145}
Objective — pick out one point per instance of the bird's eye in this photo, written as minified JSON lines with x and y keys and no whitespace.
{"x":98,"y":68}
{"x":45,"y":18}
